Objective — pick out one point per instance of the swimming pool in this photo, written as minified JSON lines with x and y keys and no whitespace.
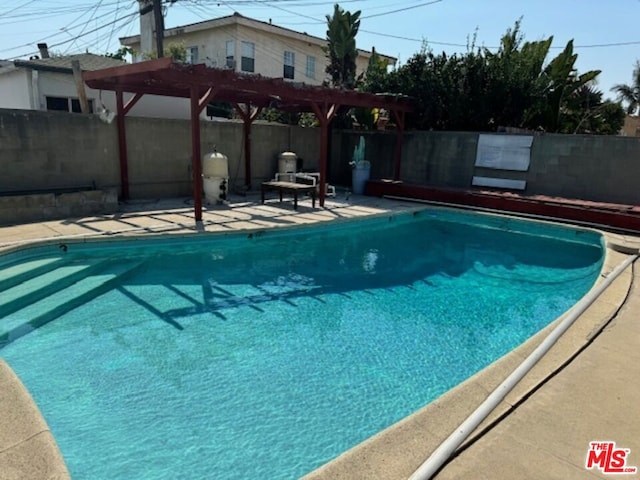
{"x":269,"y":353}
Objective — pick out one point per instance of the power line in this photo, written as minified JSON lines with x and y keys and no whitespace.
{"x":401,"y":9}
{"x":17,"y":8}
{"x":78,"y":36}
{"x":94,"y":9}
{"x":28,"y":10}
{"x":114,"y":25}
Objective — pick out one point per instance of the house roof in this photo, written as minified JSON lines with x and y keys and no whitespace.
{"x":88,"y":61}
{"x":237,"y":18}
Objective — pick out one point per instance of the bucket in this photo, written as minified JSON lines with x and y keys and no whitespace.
{"x":359,"y":177}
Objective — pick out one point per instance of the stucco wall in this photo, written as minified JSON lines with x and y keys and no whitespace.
{"x":270,"y":43}
{"x":15,"y":89}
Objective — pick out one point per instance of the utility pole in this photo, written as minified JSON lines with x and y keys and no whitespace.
{"x":82,"y":93}
{"x":159,"y":20}
{"x":146,"y":28}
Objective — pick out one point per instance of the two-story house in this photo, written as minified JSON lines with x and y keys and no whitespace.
{"x":236,"y":42}
{"x":47,"y":83}
{"x":252,"y":46}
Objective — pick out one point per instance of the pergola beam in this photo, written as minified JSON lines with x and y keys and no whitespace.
{"x":131,"y":103}
{"x":206,"y":98}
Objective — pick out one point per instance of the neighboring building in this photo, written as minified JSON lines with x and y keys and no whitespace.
{"x":631,"y":127}
{"x":47,"y":83}
{"x":236,"y":42}
{"x":251,"y":46}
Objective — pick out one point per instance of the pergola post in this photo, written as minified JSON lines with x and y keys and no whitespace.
{"x":399,"y":117}
{"x":121,"y":112}
{"x":197,"y":105}
{"x":196,"y":160}
{"x":325,"y":114}
{"x":248,"y":116}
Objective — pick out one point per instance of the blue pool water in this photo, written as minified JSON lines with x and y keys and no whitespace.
{"x":265,"y":355}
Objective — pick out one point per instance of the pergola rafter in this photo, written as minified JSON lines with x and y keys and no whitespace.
{"x":202,"y":85}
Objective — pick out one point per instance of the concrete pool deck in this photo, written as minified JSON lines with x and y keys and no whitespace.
{"x":585,"y":389}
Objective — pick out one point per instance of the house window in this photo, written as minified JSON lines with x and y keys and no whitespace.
{"x":248,"y":59}
{"x":311,"y":67}
{"x":289,"y":62}
{"x":192,"y":55}
{"x":65,"y":104}
{"x":230,"y":59}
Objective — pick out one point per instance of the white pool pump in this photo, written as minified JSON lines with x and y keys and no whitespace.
{"x":215,"y":177}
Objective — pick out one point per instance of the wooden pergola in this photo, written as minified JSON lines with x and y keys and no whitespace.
{"x":249,"y":94}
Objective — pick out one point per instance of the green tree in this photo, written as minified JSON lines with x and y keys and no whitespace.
{"x":559,"y":81}
{"x":342,"y":28}
{"x":177,"y":51}
{"x":585,"y":112}
{"x":513,"y":77}
{"x":630,"y":94}
{"x":121,"y":53}
{"x":376,"y":77}
{"x":482,"y":90}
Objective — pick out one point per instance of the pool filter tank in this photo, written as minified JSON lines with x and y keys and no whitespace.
{"x":215,"y":177}
{"x":287,"y":162}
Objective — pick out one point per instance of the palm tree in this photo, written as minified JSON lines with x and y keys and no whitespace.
{"x":560,"y":81}
{"x":342,"y":28}
{"x":630,"y":93}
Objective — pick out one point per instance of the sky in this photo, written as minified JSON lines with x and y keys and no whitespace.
{"x":605,"y":32}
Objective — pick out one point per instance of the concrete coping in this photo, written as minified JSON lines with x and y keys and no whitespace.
{"x":27,"y":447}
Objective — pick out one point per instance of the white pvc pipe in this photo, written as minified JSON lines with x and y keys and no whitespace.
{"x":449,"y":446}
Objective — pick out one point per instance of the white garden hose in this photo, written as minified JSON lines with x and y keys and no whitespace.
{"x":449,"y":446}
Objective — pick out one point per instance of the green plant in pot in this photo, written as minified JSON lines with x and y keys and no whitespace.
{"x":360,"y":168}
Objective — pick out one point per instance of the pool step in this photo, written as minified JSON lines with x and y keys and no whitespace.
{"x":14,"y":274}
{"x":62,"y":301}
{"x":41,"y":286}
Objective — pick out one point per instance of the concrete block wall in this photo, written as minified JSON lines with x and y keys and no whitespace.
{"x":439,"y":158}
{"x":16,"y":209}
{"x":428,"y":158}
{"x":587,"y":167}
{"x":159,"y":152}
{"x":379,"y":151}
{"x":44,"y":150}
{"x":598,"y":168}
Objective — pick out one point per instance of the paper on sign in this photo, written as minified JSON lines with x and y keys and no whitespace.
{"x":504,"y":152}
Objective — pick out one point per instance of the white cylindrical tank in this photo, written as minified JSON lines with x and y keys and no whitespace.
{"x":215,"y":164}
{"x":287,"y":162}
{"x":215,"y":177}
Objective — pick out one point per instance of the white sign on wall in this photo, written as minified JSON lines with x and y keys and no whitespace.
{"x":504,"y":152}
